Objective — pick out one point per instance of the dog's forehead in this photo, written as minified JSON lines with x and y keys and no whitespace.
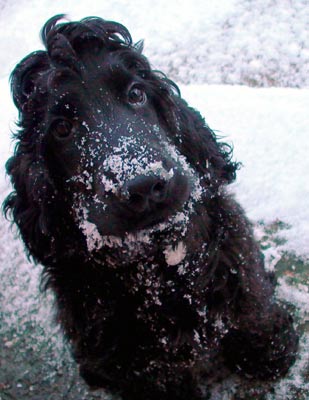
{"x":105,"y":71}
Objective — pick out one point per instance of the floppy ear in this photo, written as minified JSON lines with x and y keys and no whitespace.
{"x":27,"y":203}
{"x":29,"y":177}
{"x":202,"y":148}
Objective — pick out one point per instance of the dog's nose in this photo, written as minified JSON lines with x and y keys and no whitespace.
{"x":144,"y":191}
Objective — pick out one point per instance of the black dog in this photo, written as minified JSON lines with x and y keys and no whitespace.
{"x":119,"y":193}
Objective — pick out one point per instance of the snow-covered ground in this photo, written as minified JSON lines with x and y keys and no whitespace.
{"x":201,"y":42}
{"x":259,"y":43}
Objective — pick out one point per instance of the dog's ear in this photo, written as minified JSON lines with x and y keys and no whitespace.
{"x":24,"y":79}
{"x":27,"y":204}
{"x":211,"y":157}
{"x":29,"y":176}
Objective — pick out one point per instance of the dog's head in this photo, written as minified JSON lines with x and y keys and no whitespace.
{"x":104,"y":141}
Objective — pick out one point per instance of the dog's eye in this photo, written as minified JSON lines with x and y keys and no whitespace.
{"x":137,"y":96}
{"x":62,"y":128}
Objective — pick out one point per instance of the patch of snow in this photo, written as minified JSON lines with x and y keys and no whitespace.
{"x":129,"y":241}
{"x":175,"y":254}
{"x":93,"y":237}
{"x":297,"y":295}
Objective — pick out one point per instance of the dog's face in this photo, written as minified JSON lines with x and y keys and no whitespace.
{"x":105,"y":144}
{"x":110,"y":151}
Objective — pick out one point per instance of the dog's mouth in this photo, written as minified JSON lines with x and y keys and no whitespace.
{"x":152,"y":222}
{"x":154,"y":234}
{"x":141,"y":198}
{"x":151,"y":210}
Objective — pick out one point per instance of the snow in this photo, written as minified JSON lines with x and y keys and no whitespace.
{"x":235,"y":41}
{"x":93,"y":238}
{"x":296,"y":295}
{"x":174,"y":255}
{"x":126,"y":167}
{"x":203,"y":46}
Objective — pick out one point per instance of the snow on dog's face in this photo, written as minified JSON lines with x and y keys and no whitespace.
{"x":107,"y":151}
{"x":115,"y":159}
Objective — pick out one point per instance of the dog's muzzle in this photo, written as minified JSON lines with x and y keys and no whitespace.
{"x":149,"y":199}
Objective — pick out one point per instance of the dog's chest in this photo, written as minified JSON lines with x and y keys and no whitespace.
{"x":167,"y":303}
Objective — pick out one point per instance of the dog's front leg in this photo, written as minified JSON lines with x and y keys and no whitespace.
{"x":261,"y":341}
{"x":262,"y":350}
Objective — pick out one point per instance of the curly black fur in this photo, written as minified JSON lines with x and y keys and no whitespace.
{"x":152,"y":305}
